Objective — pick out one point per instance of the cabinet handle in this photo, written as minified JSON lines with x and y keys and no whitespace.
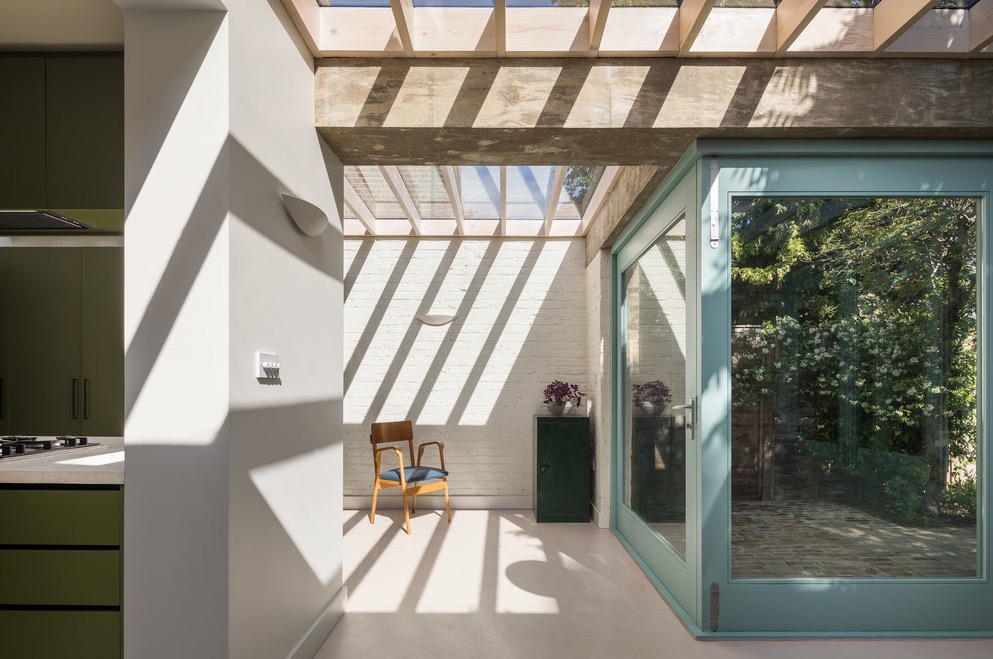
{"x":543,"y":468}
{"x":75,"y":398}
{"x":86,"y":398}
{"x":3,"y":398}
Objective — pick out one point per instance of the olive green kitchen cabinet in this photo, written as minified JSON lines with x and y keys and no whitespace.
{"x":61,"y":596}
{"x":4,"y":277}
{"x":562,"y":469}
{"x":64,"y":341}
{"x":22,"y":132}
{"x":62,"y":141}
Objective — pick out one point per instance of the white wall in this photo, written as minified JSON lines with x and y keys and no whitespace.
{"x":476,"y":383}
{"x":233,"y":488}
{"x":598,"y":360}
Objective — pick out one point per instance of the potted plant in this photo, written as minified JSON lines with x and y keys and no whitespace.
{"x":652,"y":396}
{"x":558,"y":393}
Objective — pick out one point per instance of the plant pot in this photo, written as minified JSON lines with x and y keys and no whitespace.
{"x":556,"y":409}
{"x":651,"y":409}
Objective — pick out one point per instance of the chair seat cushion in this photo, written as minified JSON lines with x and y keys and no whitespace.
{"x":414,"y":474}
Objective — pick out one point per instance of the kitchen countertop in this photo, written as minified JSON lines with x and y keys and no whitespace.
{"x":89,"y":465}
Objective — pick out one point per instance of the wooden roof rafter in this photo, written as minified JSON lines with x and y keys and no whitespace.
{"x":450,"y":178}
{"x":980,"y":25}
{"x":792,"y":18}
{"x":403,"y":14}
{"x":598,"y":12}
{"x":357,"y":206}
{"x":692,"y":16}
{"x":552,"y":203}
{"x":891,"y":18}
{"x":396,"y":183}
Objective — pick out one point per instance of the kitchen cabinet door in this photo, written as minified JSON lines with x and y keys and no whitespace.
{"x":43,"y":341}
{"x":4,"y":283}
{"x":22,"y":132}
{"x":102,"y":341}
{"x":84,"y":120}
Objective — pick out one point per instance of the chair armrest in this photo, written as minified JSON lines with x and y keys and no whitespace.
{"x":441,"y":452}
{"x":378,"y":453}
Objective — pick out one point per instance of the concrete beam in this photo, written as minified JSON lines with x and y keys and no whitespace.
{"x":637,"y":112}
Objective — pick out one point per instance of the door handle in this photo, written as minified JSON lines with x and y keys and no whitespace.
{"x":543,"y":468}
{"x":687,"y":422}
{"x":86,"y":398}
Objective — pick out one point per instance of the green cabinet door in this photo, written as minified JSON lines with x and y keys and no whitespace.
{"x":42,"y":634}
{"x":65,"y":341}
{"x":22,"y":132}
{"x":562,"y":469}
{"x":102,"y":341}
{"x":4,"y":284}
{"x":84,"y":121}
{"x":43,"y":341}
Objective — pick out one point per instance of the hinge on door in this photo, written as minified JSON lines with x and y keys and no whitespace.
{"x":715,"y":606}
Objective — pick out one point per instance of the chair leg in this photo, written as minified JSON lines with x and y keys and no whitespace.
{"x":406,"y":514}
{"x":447,"y":506}
{"x":372,"y":513}
{"x":413,"y":503}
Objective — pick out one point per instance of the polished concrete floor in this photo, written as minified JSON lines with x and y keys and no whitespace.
{"x":493,"y":584}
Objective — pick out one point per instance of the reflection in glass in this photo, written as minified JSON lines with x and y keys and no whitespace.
{"x":655,"y":314}
{"x":854,"y":387}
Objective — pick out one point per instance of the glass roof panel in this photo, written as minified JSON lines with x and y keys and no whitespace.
{"x":852,"y":4}
{"x":644,"y":3}
{"x":548,"y":3}
{"x":580,"y":182}
{"x":353,"y":3}
{"x":750,"y":4}
{"x":453,"y":3}
{"x":480,"y":188}
{"x":427,"y":189}
{"x":371,"y":186}
{"x":527,"y":191}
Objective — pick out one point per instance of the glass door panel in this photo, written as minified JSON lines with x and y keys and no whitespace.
{"x":854,"y":387}
{"x":655,"y":412}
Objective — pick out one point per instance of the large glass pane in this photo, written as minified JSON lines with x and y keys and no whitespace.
{"x":854,"y":387}
{"x":655,"y":307}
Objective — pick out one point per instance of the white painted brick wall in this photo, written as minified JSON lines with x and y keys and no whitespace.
{"x":598,"y":360}
{"x":477,"y":382}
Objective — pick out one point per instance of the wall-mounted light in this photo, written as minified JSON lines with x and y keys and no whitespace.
{"x":434,"y":319}
{"x":309,"y":218}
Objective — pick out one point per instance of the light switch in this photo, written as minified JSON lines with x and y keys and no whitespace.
{"x":267,"y":365}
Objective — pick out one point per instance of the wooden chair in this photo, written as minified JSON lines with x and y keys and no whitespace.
{"x":413,"y":480}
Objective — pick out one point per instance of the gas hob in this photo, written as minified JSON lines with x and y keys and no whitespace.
{"x":20,"y":446}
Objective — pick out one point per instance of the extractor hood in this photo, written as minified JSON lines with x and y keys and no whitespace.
{"x":40,"y":222}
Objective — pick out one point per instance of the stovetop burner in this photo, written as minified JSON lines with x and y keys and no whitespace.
{"x":23,"y":445}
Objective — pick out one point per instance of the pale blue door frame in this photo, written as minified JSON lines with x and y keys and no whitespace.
{"x":701,"y":189}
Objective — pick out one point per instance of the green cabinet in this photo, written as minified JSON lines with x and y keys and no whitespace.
{"x":61,"y":594}
{"x":22,"y":132}
{"x":562,"y":469}
{"x":64,"y":326}
{"x":4,"y":277}
{"x":84,"y":130}
{"x":62,"y":141}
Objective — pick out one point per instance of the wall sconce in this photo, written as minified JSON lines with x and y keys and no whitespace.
{"x":434,"y":319}
{"x":309,"y":218}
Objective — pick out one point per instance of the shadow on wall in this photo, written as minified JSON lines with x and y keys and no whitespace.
{"x":475,"y":383}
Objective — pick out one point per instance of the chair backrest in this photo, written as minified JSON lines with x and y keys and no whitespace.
{"x":389,"y":432}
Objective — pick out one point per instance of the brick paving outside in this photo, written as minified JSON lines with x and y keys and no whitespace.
{"x":828,"y":539}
